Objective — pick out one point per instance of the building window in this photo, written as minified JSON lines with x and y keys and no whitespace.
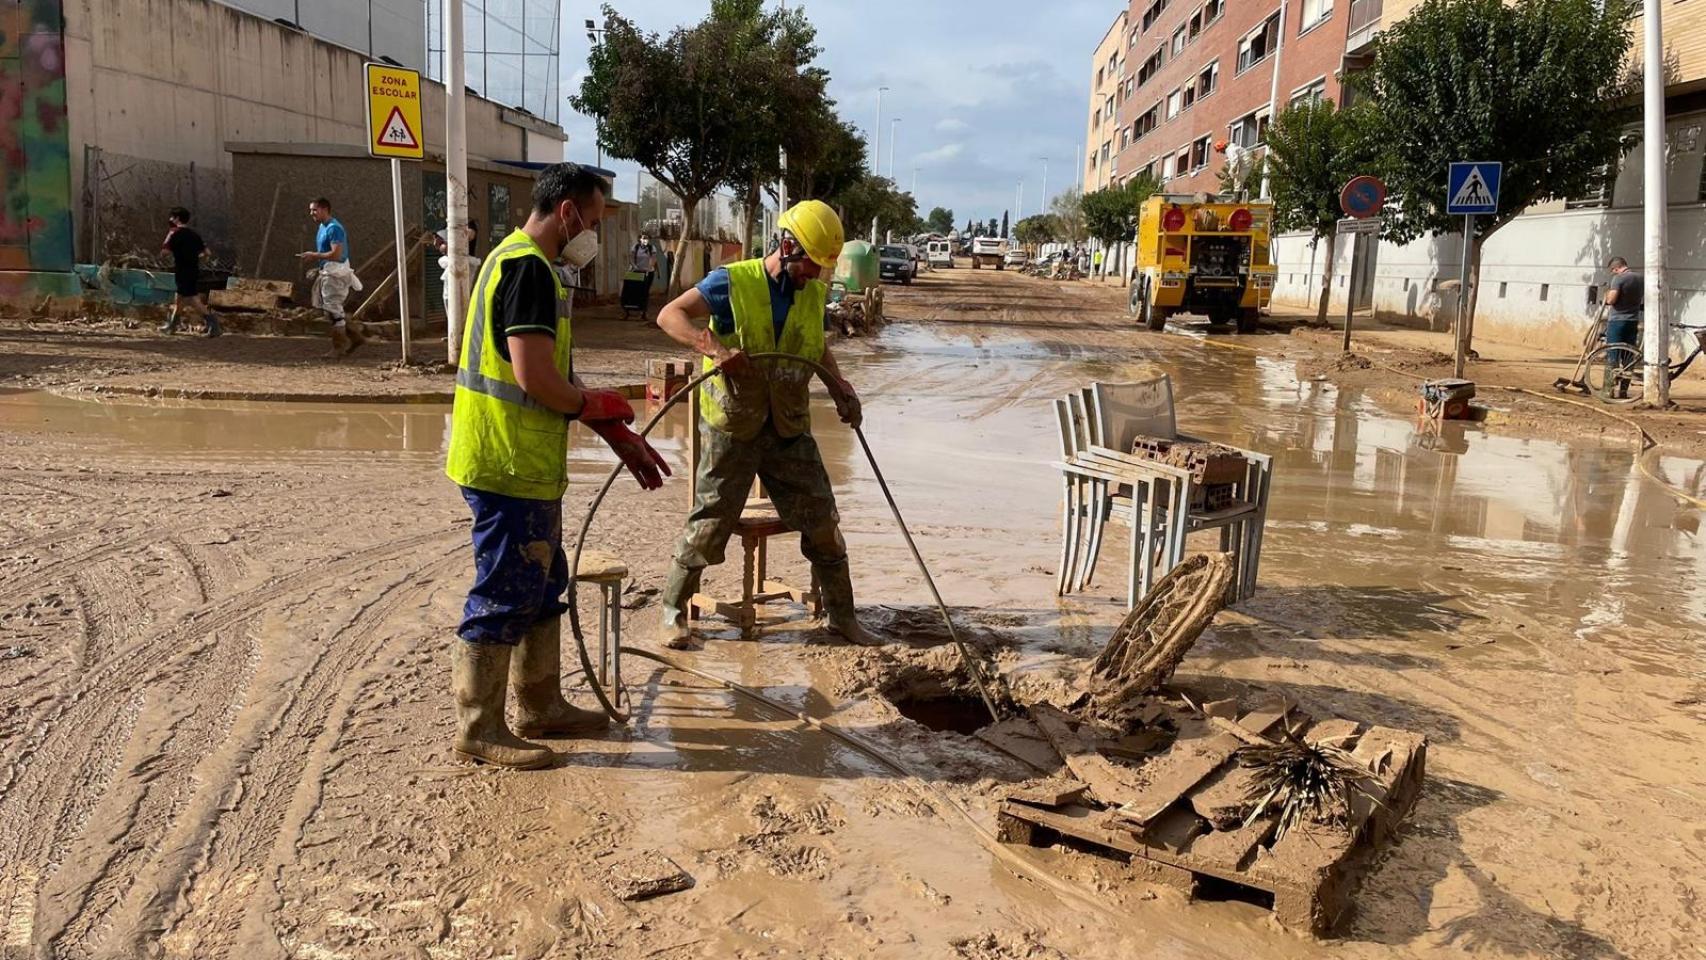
{"x":1182,"y":162}
{"x":1247,"y":131}
{"x":1173,"y":104}
{"x":1101,"y":75}
{"x":1124,"y":139}
{"x":1153,"y":13}
{"x":1146,"y":122}
{"x":1106,"y":146}
{"x":1195,"y":24}
{"x":1096,"y":118}
{"x":1130,"y":86}
{"x":1150,"y":66}
{"x":1199,"y":153}
{"x":1131,"y":41}
{"x":1258,"y":43}
{"x":1545,"y":288}
{"x":1599,"y":195}
{"x":1212,"y":10}
{"x":1311,"y":93}
{"x":1314,"y":11}
{"x":1179,"y":41}
{"x":1208,"y":80}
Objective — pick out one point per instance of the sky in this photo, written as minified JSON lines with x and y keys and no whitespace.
{"x":984,"y":89}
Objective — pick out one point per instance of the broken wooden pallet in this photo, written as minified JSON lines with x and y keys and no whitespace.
{"x":1181,"y":813}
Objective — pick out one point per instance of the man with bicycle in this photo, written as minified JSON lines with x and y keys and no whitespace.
{"x":1623,"y":301}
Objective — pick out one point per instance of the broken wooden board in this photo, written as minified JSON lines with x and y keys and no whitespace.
{"x":1152,"y":639}
{"x":647,"y":875}
{"x":1234,"y":846}
{"x":1196,"y":752}
{"x":1021,"y":739}
{"x":1396,"y":760}
{"x":1049,"y":793}
{"x":1223,"y":797}
{"x":281,"y":288}
{"x":1107,"y":782}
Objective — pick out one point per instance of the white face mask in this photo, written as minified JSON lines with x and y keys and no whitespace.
{"x":580,"y":251}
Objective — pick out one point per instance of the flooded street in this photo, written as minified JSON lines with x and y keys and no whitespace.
{"x":224,"y":706}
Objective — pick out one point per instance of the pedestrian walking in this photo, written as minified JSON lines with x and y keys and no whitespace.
{"x":637,"y":283}
{"x":1097,"y":263}
{"x":757,"y":415}
{"x":516,"y":393}
{"x":187,"y":251}
{"x":1624,"y":300}
{"x":333,"y":279}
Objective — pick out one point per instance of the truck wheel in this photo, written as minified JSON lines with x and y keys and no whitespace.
{"x":1133,"y":301}
{"x":1248,"y":318}
{"x":1000,"y":265}
{"x":975,"y":265}
{"x":1153,"y":317}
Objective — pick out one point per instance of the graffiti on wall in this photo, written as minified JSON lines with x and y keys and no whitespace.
{"x":35,"y":153}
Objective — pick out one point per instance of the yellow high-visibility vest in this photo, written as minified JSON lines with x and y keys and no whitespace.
{"x":501,"y":440}
{"x":783,"y":393}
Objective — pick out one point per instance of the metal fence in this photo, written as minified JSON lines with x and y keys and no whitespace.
{"x":125,"y":200}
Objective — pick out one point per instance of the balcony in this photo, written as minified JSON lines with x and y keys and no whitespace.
{"x":1364,"y":25}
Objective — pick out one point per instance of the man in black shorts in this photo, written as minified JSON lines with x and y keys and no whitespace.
{"x":187,"y":250}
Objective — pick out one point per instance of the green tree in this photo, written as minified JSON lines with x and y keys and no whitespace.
{"x":1110,"y":214}
{"x":941,"y":220}
{"x":1067,"y":208}
{"x":1313,"y":149}
{"x":992,"y":227}
{"x":875,"y":198}
{"x":1037,"y":229}
{"x":682,"y":105}
{"x":1534,"y":84}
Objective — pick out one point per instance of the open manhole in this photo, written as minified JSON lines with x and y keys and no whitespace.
{"x":936,"y":698}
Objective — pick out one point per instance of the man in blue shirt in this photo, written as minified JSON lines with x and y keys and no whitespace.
{"x":333,"y":279}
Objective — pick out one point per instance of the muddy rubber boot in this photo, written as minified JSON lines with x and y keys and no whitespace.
{"x":212,"y":328}
{"x":536,"y":673}
{"x":357,"y":339}
{"x":171,"y":324}
{"x":340,"y":342}
{"x":673,"y":629}
{"x":479,"y":674}
{"x":835,"y":583}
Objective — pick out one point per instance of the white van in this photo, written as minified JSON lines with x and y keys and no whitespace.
{"x":940,"y":254}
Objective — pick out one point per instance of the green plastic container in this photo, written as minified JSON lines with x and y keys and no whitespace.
{"x":857,"y":266}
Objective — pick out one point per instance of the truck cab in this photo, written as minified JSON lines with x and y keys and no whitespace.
{"x":1205,"y":254}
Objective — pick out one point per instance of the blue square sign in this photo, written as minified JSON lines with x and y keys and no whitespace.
{"x":1473,"y":188}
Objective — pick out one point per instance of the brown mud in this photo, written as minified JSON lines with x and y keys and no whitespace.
{"x":224,"y":709}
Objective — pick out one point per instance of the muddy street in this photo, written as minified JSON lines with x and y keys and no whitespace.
{"x":225,"y":716}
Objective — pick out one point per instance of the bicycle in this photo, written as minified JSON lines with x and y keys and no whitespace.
{"x":1606,"y":371}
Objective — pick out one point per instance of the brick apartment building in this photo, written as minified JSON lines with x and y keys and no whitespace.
{"x":1198,"y":74}
{"x":1107,"y":77}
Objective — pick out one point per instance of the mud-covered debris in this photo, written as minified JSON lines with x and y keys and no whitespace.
{"x":648,"y":875}
{"x":16,"y":651}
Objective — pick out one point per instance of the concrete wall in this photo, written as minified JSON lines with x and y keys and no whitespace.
{"x":176,"y":81}
{"x":377,"y":28}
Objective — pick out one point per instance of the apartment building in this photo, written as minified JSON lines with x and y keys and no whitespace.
{"x":1107,"y":81}
{"x":1200,"y":73}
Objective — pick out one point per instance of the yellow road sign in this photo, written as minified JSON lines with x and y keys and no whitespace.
{"x":394,"y":112}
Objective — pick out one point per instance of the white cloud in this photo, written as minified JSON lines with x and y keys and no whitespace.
{"x":952,"y":125}
{"x":941,"y":154}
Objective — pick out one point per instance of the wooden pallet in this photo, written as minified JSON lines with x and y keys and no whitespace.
{"x":1178,"y":810}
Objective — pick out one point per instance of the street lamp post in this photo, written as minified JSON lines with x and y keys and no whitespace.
{"x":877,"y":150}
{"x":1655,"y":293}
{"x":455,"y":169}
{"x":891,"y":146}
{"x":1045,"y":185}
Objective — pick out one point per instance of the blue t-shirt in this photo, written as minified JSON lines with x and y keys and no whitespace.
{"x":715,"y":289}
{"x":331,"y":232}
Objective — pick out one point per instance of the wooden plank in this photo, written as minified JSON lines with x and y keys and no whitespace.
{"x":1086,"y":824}
{"x":1108,"y":783}
{"x":1334,"y":732}
{"x":1394,"y":759}
{"x":1049,"y":793}
{"x":243,"y":299}
{"x":1195,"y":754}
{"x":1223,"y":797}
{"x":281,"y":288}
{"x":1174,"y":830}
{"x":1019,"y":738}
{"x":1231,"y":848}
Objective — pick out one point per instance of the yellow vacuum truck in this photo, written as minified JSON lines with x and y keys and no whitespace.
{"x":1205,"y":254}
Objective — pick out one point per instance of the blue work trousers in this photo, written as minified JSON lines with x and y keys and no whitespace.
{"x":520,"y":572}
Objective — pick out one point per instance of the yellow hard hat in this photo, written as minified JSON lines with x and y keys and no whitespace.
{"x":818,"y":229}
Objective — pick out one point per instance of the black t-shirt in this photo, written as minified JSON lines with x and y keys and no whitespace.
{"x":1631,"y":291}
{"x":185,"y":246}
{"x":525,"y":302}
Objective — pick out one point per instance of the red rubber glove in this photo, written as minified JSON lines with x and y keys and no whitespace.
{"x":604,"y":405}
{"x":846,"y":402}
{"x":647,"y":466}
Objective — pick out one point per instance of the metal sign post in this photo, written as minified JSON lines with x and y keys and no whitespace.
{"x":1362,"y":199}
{"x":394,"y":131}
{"x":1353,"y":228}
{"x":1470,"y":189}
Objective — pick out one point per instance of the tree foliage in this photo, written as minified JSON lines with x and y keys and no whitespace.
{"x":1110,"y":213}
{"x":875,"y":198}
{"x":940,"y":220}
{"x":1067,"y":208}
{"x":1038,"y":229}
{"x":1534,"y":84}
{"x":1313,"y":150}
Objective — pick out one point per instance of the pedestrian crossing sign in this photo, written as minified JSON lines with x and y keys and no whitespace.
{"x":1473,"y":188}
{"x":394,"y":112}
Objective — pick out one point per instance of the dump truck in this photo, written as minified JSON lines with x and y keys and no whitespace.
{"x":988,"y":251}
{"x":1205,"y":254}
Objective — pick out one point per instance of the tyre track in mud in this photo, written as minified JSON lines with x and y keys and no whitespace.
{"x":56,"y":776}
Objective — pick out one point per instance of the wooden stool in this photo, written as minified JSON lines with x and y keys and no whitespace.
{"x":608,"y":572}
{"x":759,"y":521}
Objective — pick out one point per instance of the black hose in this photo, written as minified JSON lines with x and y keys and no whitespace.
{"x":974,"y":666}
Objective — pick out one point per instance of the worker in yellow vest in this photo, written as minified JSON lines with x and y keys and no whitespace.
{"x":756,"y":414}
{"x":516,"y":392}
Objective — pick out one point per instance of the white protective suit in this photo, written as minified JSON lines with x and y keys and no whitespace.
{"x":333,"y":286}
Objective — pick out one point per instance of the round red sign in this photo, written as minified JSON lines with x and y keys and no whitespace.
{"x":1363,"y":197}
